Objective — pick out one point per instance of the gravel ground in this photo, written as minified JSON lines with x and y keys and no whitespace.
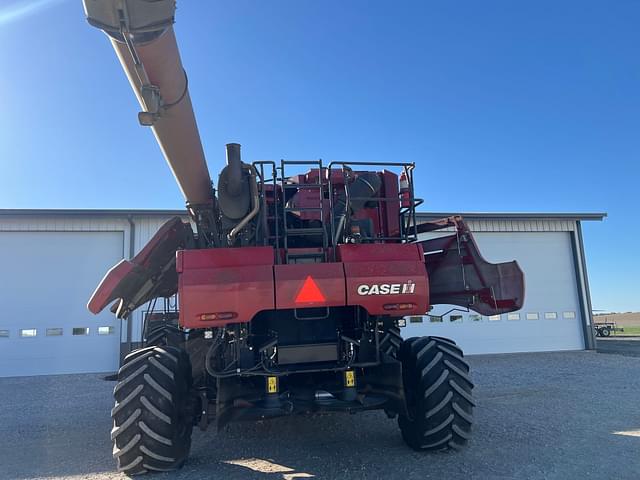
{"x":539,"y":416}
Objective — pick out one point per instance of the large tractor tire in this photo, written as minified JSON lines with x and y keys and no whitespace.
{"x":391,"y":342}
{"x":438,"y":392}
{"x":152,"y":421}
{"x":164,"y":335}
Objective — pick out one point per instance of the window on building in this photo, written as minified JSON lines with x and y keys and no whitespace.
{"x":475,"y":318}
{"x":4,"y":333}
{"x":54,"y":332}
{"x":80,"y":331}
{"x":435,"y":319}
{"x":569,"y":314}
{"x":513,"y":316}
{"x":533,"y":316}
{"x":550,"y":315}
{"x":28,"y":332}
{"x":494,"y":318}
{"x":455,"y":318}
{"x":415,"y":320}
{"x":106,"y":330}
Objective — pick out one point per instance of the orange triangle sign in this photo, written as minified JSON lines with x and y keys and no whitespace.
{"x":309,"y":292}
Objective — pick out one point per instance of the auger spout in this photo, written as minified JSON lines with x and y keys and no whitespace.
{"x":143,"y":37}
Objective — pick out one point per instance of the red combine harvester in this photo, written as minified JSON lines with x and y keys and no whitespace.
{"x":292,"y":281}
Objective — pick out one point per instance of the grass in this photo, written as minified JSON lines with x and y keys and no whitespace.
{"x":628,"y":332}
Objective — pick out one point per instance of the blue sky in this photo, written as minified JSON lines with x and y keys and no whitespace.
{"x":504,"y":106}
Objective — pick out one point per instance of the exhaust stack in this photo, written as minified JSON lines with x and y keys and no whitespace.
{"x":142,"y":35}
{"x":234,"y":165}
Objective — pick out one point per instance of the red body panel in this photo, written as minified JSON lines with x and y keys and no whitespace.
{"x":223,"y":280}
{"x":245,"y":281}
{"x":290,"y":279}
{"x":223,"y":257}
{"x":150,"y":274}
{"x":390,"y":268}
{"x":103,"y":295}
{"x":373,"y":252}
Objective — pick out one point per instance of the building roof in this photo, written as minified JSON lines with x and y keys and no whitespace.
{"x":598,"y":216}
{"x":518,"y":215}
{"x":97,"y":212}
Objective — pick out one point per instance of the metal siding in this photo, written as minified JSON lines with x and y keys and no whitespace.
{"x":523,"y":225}
{"x":61,"y":224}
{"x":147,"y":226}
{"x":516,"y":226}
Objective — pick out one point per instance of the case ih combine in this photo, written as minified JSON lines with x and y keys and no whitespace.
{"x":292,"y":280}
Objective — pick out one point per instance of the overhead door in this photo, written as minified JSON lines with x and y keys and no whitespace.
{"x":550,"y":318}
{"x":46,"y":279}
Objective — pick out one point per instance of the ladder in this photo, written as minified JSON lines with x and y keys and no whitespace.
{"x":288,"y":232}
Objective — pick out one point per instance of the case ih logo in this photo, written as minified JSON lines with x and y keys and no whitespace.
{"x":387,"y":288}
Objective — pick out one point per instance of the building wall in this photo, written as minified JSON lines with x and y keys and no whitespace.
{"x":50,"y":267}
{"x":28,"y":296}
{"x":550,"y":319}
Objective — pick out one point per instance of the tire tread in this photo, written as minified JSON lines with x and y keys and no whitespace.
{"x":151,"y":423}
{"x":438,"y":382}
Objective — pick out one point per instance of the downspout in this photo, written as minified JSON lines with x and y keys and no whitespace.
{"x":580,"y":275}
{"x":592,"y":342}
{"x":132,"y":236}
{"x":129,"y":318}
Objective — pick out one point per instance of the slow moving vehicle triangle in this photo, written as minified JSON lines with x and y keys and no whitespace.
{"x":310,"y":292}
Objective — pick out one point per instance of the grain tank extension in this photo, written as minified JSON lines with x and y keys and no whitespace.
{"x":292,"y":282}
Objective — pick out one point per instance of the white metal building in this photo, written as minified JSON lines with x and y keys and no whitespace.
{"x":52,"y":261}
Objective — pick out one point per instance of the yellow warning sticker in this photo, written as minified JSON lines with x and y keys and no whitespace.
{"x":272,"y":384}
{"x":349,"y":378}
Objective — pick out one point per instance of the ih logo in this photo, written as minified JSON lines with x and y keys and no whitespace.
{"x":310,"y":292}
{"x":387,"y":288}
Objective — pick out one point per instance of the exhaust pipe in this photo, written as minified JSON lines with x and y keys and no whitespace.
{"x":234,"y":186}
{"x":234,"y":166}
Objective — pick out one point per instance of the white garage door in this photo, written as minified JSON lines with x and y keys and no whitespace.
{"x":550,"y":318}
{"x":46,"y":279}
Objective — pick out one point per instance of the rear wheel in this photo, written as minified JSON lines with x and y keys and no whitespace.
{"x":152,"y":421}
{"x":606,"y":331}
{"x":438,"y":392}
{"x":164,"y":335}
{"x":391,"y":342}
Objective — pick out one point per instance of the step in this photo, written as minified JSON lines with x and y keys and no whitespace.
{"x":303,"y":185}
{"x":305,"y":231}
{"x":303,"y":209}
